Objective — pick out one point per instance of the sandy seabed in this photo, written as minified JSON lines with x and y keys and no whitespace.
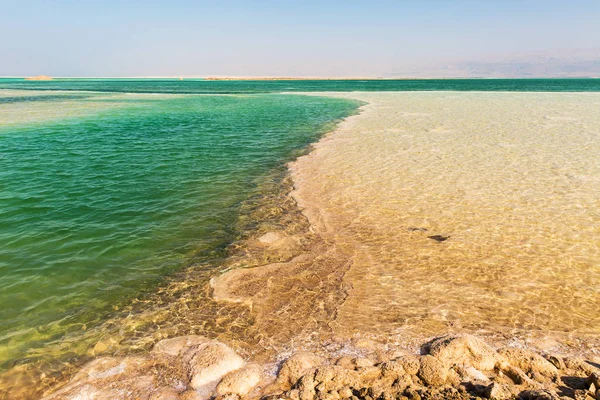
{"x":428,"y":214}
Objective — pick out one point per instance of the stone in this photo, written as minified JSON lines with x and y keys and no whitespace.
{"x":241,"y":381}
{"x":345,"y":392}
{"x":467,"y":350}
{"x":538,"y":395}
{"x":191,"y":394}
{"x":497,"y":391}
{"x":410,"y":363}
{"x":593,"y":381}
{"x":174,"y":346}
{"x":475,"y":374}
{"x":209,"y":362}
{"x":531,"y":363}
{"x":296,"y":366}
{"x":165,"y":394}
{"x":432,"y":371}
{"x":334,"y":377}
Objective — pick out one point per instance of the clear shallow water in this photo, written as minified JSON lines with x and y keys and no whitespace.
{"x":271,"y":86}
{"x":103,"y":195}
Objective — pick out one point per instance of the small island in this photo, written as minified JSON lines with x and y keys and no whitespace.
{"x":39,"y":78}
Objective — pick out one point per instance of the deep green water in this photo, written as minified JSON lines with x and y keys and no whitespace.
{"x":101,"y":196}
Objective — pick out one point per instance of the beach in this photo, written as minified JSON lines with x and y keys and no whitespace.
{"x":426,"y":214}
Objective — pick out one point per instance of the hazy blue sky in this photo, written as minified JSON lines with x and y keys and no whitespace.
{"x":309,"y":37}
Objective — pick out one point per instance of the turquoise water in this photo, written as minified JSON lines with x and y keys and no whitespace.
{"x":101,"y":196}
{"x":222,"y":87}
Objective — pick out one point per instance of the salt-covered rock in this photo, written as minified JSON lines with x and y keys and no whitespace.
{"x":466,"y":350}
{"x":580,"y":367}
{"x":209,"y":362}
{"x":432,"y":371}
{"x":191,"y":394}
{"x":297,"y":365}
{"x":174,"y":346}
{"x":329,"y":378}
{"x":165,"y":394}
{"x":538,"y":395}
{"x":497,"y":391}
{"x":531,"y":363}
{"x":241,"y":381}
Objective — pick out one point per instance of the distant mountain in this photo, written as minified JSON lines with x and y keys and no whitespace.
{"x":566,"y":63}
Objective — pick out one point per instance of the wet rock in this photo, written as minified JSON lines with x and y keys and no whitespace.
{"x":209,"y":362}
{"x":241,"y":381}
{"x":174,"y":346}
{"x":297,"y":365}
{"x":497,"y":391}
{"x":467,"y":350}
{"x":165,"y":394}
{"x":432,"y":371}
{"x":531,"y":363}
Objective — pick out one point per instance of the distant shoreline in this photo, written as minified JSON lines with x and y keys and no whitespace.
{"x":300,"y":78}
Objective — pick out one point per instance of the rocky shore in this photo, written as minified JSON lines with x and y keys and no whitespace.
{"x":447,"y":367}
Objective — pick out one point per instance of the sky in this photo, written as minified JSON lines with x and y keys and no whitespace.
{"x":375,"y":38}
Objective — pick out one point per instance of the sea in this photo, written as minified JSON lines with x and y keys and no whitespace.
{"x":111,"y":187}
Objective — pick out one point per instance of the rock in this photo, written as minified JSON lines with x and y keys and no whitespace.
{"x":593,"y":382}
{"x":432,"y":371}
{"x":354,"y":362}
{"x":345,"y":392}
{"x":369,"y":374}
{"x":297,"y":365}
{"x":556,"y":361}
{"x":174,"y":346}
{"x":468,"y":350}
{"x":165,"y":394}
{"x":191,"y":394}
{"x":497,"y":391}
{"x":241,"y":381}
{"x":209,"y":362}
{"x":334,"y":377}
{"x":531,"y":363}
{"x":580,"y":366}
{"x":538,"y":395}
{"x":475,"y":374}
{"x":270,"y":237}
{"x":410,"y":363}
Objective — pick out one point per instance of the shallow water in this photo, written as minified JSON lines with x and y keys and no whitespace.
{"x":512,"y":180}
{"x":101,"y":196}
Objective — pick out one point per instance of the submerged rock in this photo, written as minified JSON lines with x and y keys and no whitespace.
{"x":174,"y":346}
{"x":207,"y":363}
{"x":240,"y":382}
